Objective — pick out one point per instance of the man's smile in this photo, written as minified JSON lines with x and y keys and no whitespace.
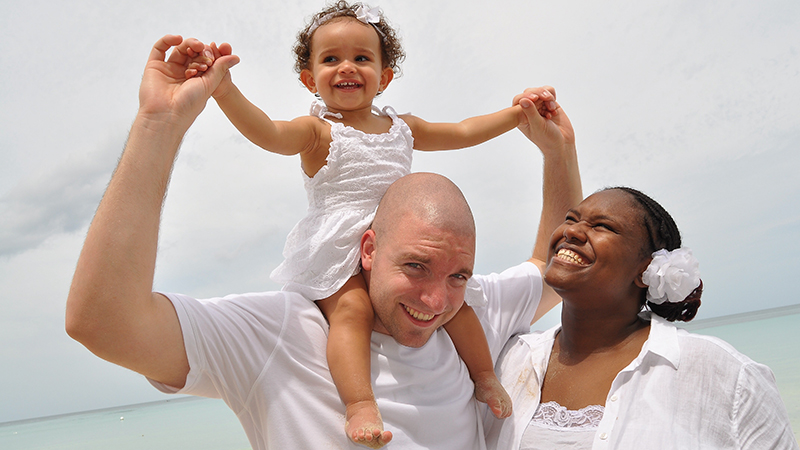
{"x":418,"y":314}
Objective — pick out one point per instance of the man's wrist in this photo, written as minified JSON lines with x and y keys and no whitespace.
{"x":161,"y":125}
{"x":156,"y":135}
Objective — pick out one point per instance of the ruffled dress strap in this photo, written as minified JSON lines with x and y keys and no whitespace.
{"x":386,"y":111}
{"x":318,"y":109}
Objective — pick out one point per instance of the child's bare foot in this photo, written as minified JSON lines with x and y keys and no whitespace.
{"x":364,"y":425}
{"x":489,"y":390}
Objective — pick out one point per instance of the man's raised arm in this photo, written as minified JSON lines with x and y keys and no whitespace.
{"x":111,"y":308}
{"x":550,"y":129}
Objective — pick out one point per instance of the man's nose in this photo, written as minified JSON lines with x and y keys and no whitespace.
{"x":434,"y":295}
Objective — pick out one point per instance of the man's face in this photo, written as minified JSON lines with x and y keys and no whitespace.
{"x":417,"y":277}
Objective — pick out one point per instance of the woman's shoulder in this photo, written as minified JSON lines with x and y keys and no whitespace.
{"x":702,"y":344}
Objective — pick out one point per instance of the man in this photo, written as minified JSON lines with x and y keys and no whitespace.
{"x":264,"y":354}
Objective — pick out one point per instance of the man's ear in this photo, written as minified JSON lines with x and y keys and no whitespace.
{"x":367,"y":249}
{"x":387,"y":75}
{"x":307,"y":78}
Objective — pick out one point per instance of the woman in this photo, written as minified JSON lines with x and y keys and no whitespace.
{"x":616,"y":374}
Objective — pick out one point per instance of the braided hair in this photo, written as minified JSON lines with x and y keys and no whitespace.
{"x":663,"y":233}
{"x":392,"y":53}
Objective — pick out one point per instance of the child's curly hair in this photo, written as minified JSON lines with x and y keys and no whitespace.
{"x":392,"y":53}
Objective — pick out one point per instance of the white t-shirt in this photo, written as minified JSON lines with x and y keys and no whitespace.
{"x":264,"y":355}
{"x":683,"y":391}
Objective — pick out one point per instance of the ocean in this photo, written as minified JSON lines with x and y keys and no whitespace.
{"x":771,"y":337}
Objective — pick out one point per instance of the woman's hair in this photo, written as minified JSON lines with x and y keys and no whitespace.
{"x":663,"y":234}
{"x":392,"y":53}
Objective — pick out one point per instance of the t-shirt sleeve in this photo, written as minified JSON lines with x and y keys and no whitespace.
{"x":228,"y":342}
{"x":512,"y":299}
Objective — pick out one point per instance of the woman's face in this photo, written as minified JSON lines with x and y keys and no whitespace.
{"x":600,"y":249}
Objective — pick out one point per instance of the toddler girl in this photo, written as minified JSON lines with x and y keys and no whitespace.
{"x":350,"y":153}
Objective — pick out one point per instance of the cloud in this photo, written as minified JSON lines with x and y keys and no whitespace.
{"x":60,"y":199}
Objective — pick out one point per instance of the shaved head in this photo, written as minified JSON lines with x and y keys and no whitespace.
{"x":418,"y":256}
{"x":432,"y":198}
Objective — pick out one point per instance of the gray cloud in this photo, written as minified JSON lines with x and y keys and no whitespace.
{"x":60,"y":199}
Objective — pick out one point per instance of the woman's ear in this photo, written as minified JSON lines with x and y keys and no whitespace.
{"x":307,"y":78}
{"x":639,"y":281}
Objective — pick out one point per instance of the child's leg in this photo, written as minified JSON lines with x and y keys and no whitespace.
{"x":468,"y":336}
{"x":351,"y":319}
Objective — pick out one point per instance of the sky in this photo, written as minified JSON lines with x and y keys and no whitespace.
{"x":694,"y":103}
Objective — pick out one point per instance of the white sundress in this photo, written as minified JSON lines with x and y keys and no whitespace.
{"x":323,"y":250}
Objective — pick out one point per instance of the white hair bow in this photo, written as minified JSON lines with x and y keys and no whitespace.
{"x":368,"y":15}
{"x":364,"y":14}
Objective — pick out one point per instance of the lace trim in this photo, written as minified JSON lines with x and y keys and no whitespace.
{"x":553,"y":415}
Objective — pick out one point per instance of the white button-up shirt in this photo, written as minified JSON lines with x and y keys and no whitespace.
{"x":683,"y":391}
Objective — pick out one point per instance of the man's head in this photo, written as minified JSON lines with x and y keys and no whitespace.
{"x":418,"y":256}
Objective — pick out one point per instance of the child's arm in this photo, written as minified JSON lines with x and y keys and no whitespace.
{"x":301,"y":135}
{"x":473,"y":131}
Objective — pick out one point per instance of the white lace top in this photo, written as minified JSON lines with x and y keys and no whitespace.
{"x":554,"y":426}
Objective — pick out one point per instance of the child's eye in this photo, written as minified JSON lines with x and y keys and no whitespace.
{"x":329,"y":59}
{"x":362,"y":59}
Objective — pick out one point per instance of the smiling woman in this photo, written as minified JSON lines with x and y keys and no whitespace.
{"x":616,"y":370}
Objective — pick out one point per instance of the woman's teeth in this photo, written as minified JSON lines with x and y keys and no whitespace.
{"x":570,"y":256}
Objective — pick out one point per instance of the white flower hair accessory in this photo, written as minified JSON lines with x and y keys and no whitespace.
{"x":368,"y":15}
{"x":671,"y":276}
{"x":364,"y":14}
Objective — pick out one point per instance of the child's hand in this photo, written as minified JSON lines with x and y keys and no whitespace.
{"x":166,"y":93}
{"x":542,"y":120}
{"x":199,"y":62}
{"x":217,"y":52}
{"x":542,"y":97}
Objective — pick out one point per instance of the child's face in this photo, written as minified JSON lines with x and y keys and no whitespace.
{"x":346,"y":67}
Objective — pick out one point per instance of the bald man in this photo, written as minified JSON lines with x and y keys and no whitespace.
{"x":264,"y":354}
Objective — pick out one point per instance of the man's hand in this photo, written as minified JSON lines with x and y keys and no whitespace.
{"x":166,"y":95}
{"x":544,"y":122}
